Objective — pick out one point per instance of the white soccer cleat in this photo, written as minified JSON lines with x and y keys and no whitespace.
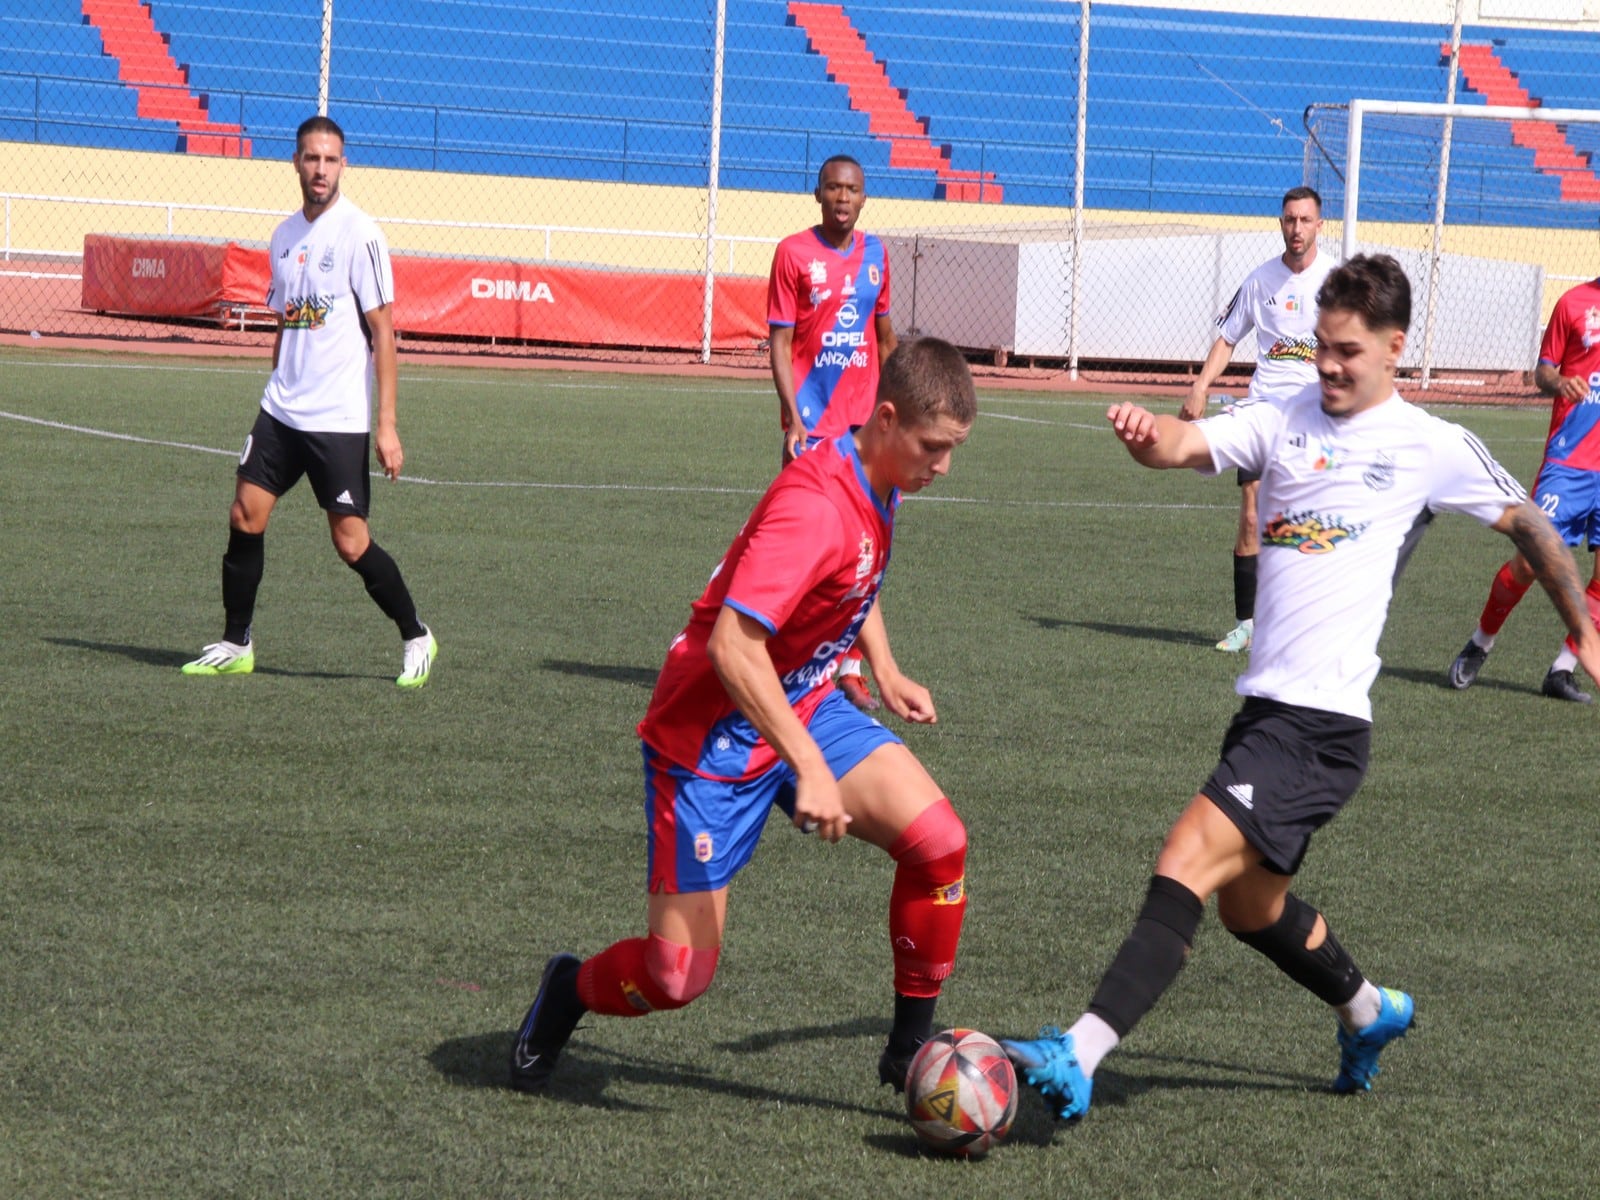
{"x":420,"y":653}
{"x":223,"y":658}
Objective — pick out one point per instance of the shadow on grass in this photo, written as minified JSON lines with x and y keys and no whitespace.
{"x":153,"y":657}
{"x":1435,"y":677}
{"x":586,"y":1071}
{"x":615,"y":674}
{"x":1144,"y":633}
{"x":1036,"y":1123}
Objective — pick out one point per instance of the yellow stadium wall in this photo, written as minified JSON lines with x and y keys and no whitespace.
{"x":401,"y":196}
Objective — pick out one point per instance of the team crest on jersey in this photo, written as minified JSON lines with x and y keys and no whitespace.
{"x":874,"y":276}
{"x":307,"y":312}
{"x":864,"y":557}
{"x":1310,"y":532}
{"x":327,"y":260}
{"x":1380,"y":475}
{"x":703,"y":849}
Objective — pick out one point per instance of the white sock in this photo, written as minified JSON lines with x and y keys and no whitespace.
{"x":1363,"y":1008}
{"x":1565,"y":661}
{"x":850,"y":666}
{"x":1093,"y":1039}
{"x":1484,"y":641}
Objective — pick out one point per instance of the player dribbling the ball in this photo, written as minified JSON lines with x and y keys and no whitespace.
{"x":744,"y":718}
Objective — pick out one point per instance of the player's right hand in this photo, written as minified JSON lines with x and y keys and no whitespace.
{"x":794,"y":443}
{"x":1134,"y":425}
{"x":819,"y":808}
{"x":1194,"y":404}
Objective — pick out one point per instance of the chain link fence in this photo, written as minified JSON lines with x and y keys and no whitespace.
{"x":1063,"y":186}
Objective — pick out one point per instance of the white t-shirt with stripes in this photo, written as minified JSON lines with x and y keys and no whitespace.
{"x":1338,"y":495}
{"x":325,"y":274}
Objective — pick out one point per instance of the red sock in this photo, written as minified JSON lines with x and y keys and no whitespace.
{"x":1591,"y":597}
{"x":1503,"y":597}
{"x":928,"y":901}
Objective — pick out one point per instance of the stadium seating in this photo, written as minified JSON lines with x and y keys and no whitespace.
{"x":1188,"y":110}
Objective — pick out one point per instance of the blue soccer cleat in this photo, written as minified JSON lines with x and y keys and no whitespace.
{"x":1050,"y":1066}
{"x":1358,"y":1051}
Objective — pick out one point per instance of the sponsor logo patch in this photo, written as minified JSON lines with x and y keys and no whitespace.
{"x":1309,"y":532}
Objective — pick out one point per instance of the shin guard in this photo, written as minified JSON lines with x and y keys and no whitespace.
{"x":242,"y":567}
{"x":644,"y":975}
{"x":1151,"y":956}
{"x":1504,"y":595}
{"x":929,"y":899}
{"x":1328,"y":972}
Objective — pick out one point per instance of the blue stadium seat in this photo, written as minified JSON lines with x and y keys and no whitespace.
{"x":1188,"y":110}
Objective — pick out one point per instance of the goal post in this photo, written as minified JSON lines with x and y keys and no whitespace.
{"x":1493,"y":210}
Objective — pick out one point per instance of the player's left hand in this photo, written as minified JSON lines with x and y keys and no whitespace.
{"x":906,"y":698}
{"x":391,"y":457}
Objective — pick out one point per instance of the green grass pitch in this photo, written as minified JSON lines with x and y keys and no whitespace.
{"x":271,"y":935}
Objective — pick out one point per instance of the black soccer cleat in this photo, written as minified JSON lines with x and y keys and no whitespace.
{"x":547,"y":1026}
{"x":1464,"y":671}
{"x":893,"y":1068}
{"x":1558,"y":685}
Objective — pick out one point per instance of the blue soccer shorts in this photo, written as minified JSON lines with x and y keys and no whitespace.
{"x":703,"y":831}
{"x":1570,"y":497}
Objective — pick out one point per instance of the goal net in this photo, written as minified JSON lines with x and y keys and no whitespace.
{"x":1493,"y":211}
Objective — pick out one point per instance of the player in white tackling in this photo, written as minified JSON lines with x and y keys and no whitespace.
{"x":1346,"y":468}
{"x":332,"y":288}
{"x":1279,"y":301}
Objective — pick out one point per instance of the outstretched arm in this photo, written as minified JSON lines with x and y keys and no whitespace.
{"x":1527,"y":526}
{"x":1159,"y":441}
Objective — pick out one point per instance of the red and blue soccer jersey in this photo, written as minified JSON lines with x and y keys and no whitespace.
{"x":807,"y":565}
{"x":832,"y":301}
{"x":1572,"y":345}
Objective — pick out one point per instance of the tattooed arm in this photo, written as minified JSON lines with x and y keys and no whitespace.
{"x":1541,"y":546}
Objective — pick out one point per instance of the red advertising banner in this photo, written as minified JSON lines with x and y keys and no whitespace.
{"x":462,"y":297}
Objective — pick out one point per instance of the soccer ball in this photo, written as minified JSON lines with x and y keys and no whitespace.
{"x":961,"y":1093}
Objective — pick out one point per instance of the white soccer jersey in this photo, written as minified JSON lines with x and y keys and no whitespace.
{"x":325,"y":274}
{"x":1282,"y":308}
{"x":1337,"y":498}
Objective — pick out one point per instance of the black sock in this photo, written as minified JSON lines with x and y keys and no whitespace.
{"x":242,"y":566}
{"x":1328,"y":972}
{"x":384,"y":584}
{"x":913,"y":1023}
{"x":1244,"y":586}
{"x":1151,"y":956}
